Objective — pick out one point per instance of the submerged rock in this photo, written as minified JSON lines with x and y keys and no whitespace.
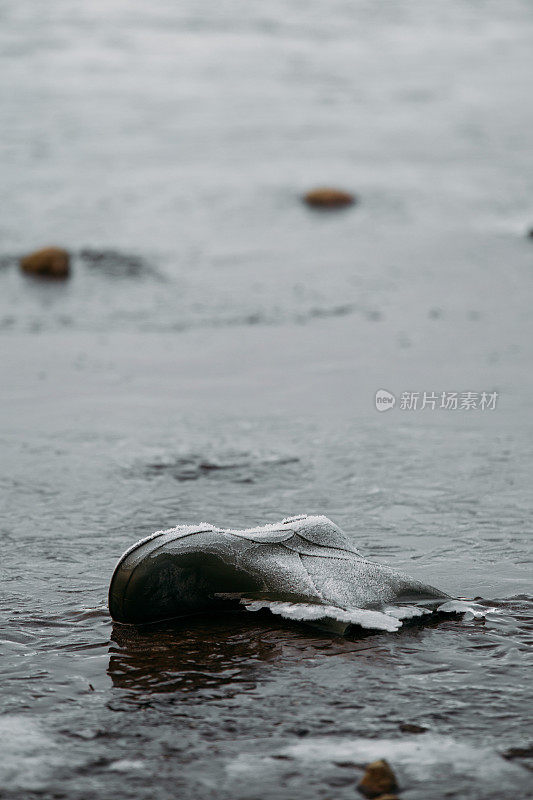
{"x":302,"y":568}
{"x":326,"y":197}
{"x":50,"y":262}
{"x":378,"y":780}
{"x":411,"y":727}
{"x":518,"y":752}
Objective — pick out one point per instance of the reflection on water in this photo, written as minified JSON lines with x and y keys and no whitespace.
{"x":236,"y":650}
{"x":198,"y":653}
{"x":235,"y":467}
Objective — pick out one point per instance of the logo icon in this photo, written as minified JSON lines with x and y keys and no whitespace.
{"x":384,"y":400}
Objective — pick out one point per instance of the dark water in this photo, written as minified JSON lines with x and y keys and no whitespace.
{"x":215,"y":357}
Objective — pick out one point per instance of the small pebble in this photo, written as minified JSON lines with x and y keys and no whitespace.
{"x":325,"y":197}
{"x":51,"y":262}
{"x":378,"y":780}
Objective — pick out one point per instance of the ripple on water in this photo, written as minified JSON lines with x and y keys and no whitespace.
{"x":235,"y":467}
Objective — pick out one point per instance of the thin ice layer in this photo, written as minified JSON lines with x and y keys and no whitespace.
{"x":312,"y":612}
{"x":390,"y":619}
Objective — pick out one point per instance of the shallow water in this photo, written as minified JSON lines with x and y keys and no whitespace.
{"x":219,"y":362}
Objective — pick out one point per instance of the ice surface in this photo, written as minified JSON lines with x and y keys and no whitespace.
{"x":389,"y":619}
{"x":470,"y":609}
{"x":421,"y":757}
{"x":310,"y":612}
{"x":30,"y":754}
{"x":427,"y":766}
{"x":406,"y":612}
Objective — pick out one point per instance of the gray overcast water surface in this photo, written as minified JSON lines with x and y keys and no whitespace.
{"x":215,"y":357}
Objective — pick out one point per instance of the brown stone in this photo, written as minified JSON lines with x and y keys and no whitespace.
{"x":379,"y":779}
{"x":51,"y":262}
{"x":325,"y":197}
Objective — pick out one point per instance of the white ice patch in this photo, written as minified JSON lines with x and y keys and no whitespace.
{"x":29,"y":754}
{"x":470,"y":609}
{"x":126,"y":765}
{"x":419,"y":761}
{"x":421,"y":756}
{"x":311,"y":612}
{"x":389,"y":619}
{"x":406,"y":612}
